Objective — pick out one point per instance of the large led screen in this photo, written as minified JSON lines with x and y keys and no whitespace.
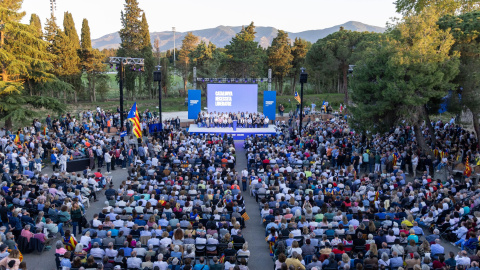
{"x":232,"y":97}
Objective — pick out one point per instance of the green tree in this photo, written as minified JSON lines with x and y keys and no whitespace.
{"x":92,"y":63}
{"x":156,"y":46}
{"x":51,"y":28}
{"x":67,"y":61}
{"x":444,"y":6}
{"x":334,"y":54}
{"x":280,"y":58}
{"x":166,"y":78}
{"x":244,"y":57}
{"x":207,"y":59}
{"x":36,"y":23}
{"x":465,"y":30}
{"x":189,"y":43}
{"x":147,"y":55}
{"x":70,"y":30}
{"x":397,"y":78}
{"x":20,"y":49}
{"x":131,"y":41}
{"x":299,"y":52}
{"x":86,"y":41}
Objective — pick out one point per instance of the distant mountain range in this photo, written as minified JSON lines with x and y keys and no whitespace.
{"x":222,"y":35}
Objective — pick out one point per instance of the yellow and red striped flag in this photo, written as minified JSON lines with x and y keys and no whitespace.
{"x":297,"y":97}
{"x":135,"y":118}
{"x":17,"y":139}
{"x":468,"y":169}
{"x":245,"y":215}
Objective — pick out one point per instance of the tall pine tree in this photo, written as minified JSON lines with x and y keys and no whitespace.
{"x":70,"y":30}
{"x":147,"y":55}
{"x":132,"y":40}
{"x":280,"y":58}
{"x":299,"y":51}
{"x":51,"y":28}
{"x":189,"y":43}
{"x":86,"y":41}
{"x":92,"y":62}
{"x":245,"y":58}
{"x":36,"y":23}
{"x":20,"y":49}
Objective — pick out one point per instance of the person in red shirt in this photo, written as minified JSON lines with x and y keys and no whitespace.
{"x":339,"y":249}
{"x":439,"y":262}
{"x":98,"y":175}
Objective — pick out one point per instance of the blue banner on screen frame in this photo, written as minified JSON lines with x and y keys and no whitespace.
{"x":123,"y":134}
{"x":194,"y":103}
{"x":270,"y":104}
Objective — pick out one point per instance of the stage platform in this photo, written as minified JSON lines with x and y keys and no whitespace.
{"x":239,"y":134}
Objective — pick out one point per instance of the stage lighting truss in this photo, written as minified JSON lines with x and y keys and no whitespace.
{"x":135,"y":64}
{"x":233,"y":80}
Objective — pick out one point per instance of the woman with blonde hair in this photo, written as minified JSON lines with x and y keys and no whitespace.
{"x":244,"y":251}
{"x":373,"y":250}
{"x":409,"y":221}
{"x":371,"y":227}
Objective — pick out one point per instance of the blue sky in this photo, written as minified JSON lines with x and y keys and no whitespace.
{"x":293,"y":16}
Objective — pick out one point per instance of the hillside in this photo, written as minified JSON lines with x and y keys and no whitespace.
{"x":221,"y":35}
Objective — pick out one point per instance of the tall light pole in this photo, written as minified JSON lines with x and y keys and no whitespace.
{"x":53,"y":7}
{"x":121,"y":62}
{"x":157,"y":77}
{"x":303,"y":79}
{"x":173,"y":29}
{"x":269,"y":79}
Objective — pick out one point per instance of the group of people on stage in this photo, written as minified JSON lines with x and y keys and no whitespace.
{"x":223,"y":119}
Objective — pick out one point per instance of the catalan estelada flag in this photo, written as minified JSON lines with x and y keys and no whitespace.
{"x":468,"y":169}
{"x":17,"y":139}
{"x":297,"y":97}
{"x":135,"y":118}
{"x":395,"y":158}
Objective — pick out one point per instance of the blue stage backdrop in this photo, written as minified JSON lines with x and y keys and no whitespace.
{"x":194,"y":103}
{"x":270,"y":104}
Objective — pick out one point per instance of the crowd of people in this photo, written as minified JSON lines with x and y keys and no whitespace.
{"x":39,"y":210}
{"x":328,"y":197}
{"x":333,"y":199}
{"x":222,"y":120}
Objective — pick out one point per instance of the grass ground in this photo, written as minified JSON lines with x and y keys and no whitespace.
{"x":173,"y":104}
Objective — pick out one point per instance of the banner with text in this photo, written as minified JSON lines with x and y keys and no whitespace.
{"x":270,"y":104}
{"x":194,"y":103}
{"x":232,"y":97}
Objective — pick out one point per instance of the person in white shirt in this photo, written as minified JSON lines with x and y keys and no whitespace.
{"x":153,"y":242}
{"x":85,"y":239}
{"x":155,"y":161}
{"x":96,"y":251}
{"x":133,"y":261}
{"x":462,"y":258}
{"x":110,"y":252}
{"x":96,"y":222}
{"x":23,"y":162}
{"x":160,"y":263}
{"x":63,"y":162}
